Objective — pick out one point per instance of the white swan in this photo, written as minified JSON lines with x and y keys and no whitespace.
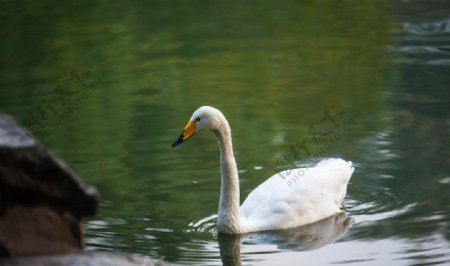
{"x":276,"y":203}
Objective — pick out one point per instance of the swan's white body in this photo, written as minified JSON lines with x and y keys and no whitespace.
{"x":288,"y":199}
{"x":297,"y":197}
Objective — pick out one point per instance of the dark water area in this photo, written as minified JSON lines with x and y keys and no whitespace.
{"x":108,"y":86}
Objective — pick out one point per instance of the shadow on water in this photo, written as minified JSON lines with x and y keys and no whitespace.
{"x":303,"y":238}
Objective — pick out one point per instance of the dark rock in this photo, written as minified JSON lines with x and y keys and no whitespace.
{"x":29,"y":230}
{"x":41,"y":200}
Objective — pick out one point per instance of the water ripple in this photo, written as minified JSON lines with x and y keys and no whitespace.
{"x":440,"y":26}
{"x":205,"y":225}
{"x":424,"y":43}
{"x":377,"y":203}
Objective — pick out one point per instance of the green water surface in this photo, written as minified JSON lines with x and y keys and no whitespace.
{"x":108,"y":86}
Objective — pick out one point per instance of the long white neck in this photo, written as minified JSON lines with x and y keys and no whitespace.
{"x":228,"y":220}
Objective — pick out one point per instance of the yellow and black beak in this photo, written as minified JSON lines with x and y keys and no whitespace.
{"x":189,"y":131}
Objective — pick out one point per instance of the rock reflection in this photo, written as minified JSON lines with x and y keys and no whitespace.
{"x":308,"y":237}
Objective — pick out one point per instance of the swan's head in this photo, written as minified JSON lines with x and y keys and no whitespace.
{"x":205,"y":118}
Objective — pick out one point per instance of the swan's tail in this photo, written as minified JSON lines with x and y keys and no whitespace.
{"x":337,"y":164}
{"x":344,"y":170}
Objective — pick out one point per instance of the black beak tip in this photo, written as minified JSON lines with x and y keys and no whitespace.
{"x":178,"y":141}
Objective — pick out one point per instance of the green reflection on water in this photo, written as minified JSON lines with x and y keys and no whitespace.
{"x":272,"y":68}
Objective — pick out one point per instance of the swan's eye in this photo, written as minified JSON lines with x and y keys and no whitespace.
{"x":198,"y":119}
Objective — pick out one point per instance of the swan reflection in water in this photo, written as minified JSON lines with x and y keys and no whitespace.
{"x":307,"y":237}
